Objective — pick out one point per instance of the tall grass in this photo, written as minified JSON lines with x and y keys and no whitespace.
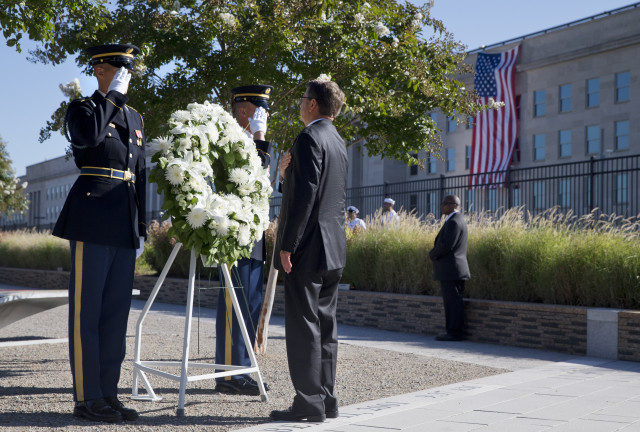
{"x":552,"y":258}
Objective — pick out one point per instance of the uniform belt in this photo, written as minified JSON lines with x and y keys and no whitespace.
{"x":109,"y":173}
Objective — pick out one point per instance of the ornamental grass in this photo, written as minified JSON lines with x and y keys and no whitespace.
{"x":556,"y":258}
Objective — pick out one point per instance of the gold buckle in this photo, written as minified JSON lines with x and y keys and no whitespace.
{"x":127,"y":175}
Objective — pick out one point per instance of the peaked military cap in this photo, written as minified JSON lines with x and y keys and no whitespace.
{"x":256,"y":94}
{"x":117,"y":55}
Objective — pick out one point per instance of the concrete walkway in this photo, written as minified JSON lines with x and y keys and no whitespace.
{"x":545,"y":392}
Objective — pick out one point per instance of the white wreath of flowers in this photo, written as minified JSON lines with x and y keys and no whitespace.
{"x":216,"y":191}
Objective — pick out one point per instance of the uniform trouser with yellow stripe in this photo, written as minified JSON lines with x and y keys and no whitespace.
{"x":100,"y":285}
{"x":248,"y":278}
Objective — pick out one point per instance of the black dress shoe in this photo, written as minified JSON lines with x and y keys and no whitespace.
{"x":242,"y":386}
{"x":448,"y":338}
{"x":97,"y":410}
{"x":290,"y":415}
{"x":126,"y":413}
{"x":331,"y":414}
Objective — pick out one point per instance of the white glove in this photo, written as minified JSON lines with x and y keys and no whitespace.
{"x":258,"y":123}
{"x":120,"y":81}
{"x":141,"y":248}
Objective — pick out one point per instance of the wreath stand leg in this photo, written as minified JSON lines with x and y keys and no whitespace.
{"x":142,"y":367}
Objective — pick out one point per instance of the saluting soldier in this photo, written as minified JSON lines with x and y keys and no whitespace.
{"x":249,"y":105}
{"x":104,"y":220}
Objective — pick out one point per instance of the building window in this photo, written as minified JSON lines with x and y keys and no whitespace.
{"x":470,"y":199}
{"x":564,"y":139}
{"x":431,"y":203}
{"x":413,"y":169}
{"x":593,"y":92}
{"x":565,"y":98}
{"x":413,"y":202}
{"x":492,"y":199}
{"x":622,"y":190}
{"x":593,"y":139}
{"x":515,"y":157}
{"x":564,"y":193}
{"x":431,"y":164}
{"x":622,"y":135}
{"x":451,"y":124}
{"x":538,"y":147}
{"x":515,"y":197}
{"x":538,"y":195}
{"x":451,"y":159}
{"x":539,"y":103}
{"x":467,"y":157}
{"x":470,"y":120}
{"x":622,"y":87}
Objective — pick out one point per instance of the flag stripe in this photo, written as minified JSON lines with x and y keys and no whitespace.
{"x":494,"y":131}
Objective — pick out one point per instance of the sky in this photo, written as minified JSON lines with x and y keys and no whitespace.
{"x":31,"y":90}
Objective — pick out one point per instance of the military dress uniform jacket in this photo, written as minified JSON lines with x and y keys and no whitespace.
{"x":105,"y":133}
{"x":311,"y":221}
{"x":449,"y":253}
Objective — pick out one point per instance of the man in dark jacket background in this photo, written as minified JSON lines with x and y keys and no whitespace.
{"x":450,"y":267}
{"x":311,"y":250}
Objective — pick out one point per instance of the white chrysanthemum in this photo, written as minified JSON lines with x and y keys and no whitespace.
{"x":366,"y":5}
{"x":161,"y":145}
{"x":181,"y":116}
{"x":184,"y":145}
{"x":381,"y":30}
{"x":228,"y":19}
{"x":222,"y":225}
{"x":244,"y":235}
{"x":174,"y":175}
{"x":359,"y":18}
{"x":197,"y":217}
{"x":395,"y":42}
{"x":239,"y":176}
{"x":198,"y":183}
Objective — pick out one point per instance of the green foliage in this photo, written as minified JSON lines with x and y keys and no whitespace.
{"x":12,"y":195}
{"x":550,"y":258}
{"x":192,"y":50}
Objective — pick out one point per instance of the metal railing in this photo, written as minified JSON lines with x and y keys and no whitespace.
{"x":609,"y":185}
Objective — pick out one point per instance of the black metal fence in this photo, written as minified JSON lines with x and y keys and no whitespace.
{"x":609,"y":185}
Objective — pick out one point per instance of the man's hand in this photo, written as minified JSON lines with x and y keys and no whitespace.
{"x":141,"y":248}
{"x":120,"y":81}
{"x":258,"y":123}
{"x":285,"y":160}
{"x":285,"y":259}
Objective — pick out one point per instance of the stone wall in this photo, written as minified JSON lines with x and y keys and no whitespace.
{"x":528,"y":325}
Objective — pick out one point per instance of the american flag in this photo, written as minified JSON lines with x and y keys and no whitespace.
{"x":494,"y":130}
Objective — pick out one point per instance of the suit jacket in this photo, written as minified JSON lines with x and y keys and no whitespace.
{"x":311,"y":220}
{"x":449,"y":253}
{"x":106,"y":133}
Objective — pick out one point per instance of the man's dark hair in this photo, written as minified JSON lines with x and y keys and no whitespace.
{"x":328,"y":95}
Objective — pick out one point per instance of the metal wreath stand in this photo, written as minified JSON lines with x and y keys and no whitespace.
{"x":142,"y":367}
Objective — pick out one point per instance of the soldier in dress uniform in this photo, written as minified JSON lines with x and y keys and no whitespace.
{"x":249,"y":105}
{"x":104,"y":220}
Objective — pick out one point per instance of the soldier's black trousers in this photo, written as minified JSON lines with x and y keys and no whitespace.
{"x":100,"y":286}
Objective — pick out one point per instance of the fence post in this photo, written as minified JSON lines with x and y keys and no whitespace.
{"x":442,"y":179}
{"x":509,"y":198}
{"x":592,"y":183}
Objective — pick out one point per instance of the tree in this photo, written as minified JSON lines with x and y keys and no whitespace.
{"x":41,"y":20}
{"x":12,"y":196}
{"x":199,"y":49}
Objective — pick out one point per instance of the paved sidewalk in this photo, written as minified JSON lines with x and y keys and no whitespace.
{"x":546,"y":392}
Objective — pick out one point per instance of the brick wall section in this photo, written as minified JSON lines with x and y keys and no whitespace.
{"x":528,"y":325}
{"x":629,"y":335}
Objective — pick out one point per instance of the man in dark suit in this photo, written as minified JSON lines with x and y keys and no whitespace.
{"x":249,"y":105}
{"x":311,"y":250}
{"x":104,"y":220}
{"x":450,"y":267}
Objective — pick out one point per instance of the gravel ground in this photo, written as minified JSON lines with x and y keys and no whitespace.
{"x":35,"y":381}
